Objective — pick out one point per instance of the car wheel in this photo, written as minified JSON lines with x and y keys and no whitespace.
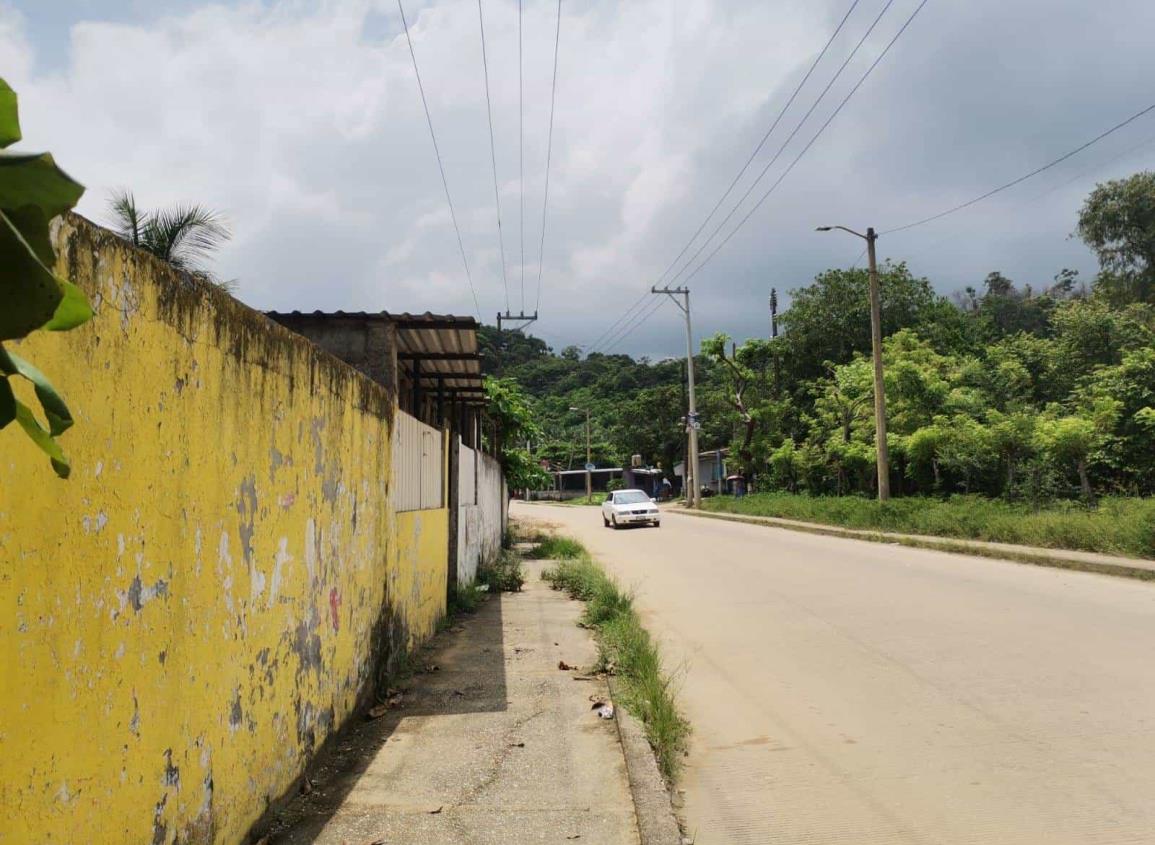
{"x":615,"y":523}
{"x":605,"y":521}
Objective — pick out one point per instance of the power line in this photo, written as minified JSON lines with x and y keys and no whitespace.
{"x":782,"y":147}
{"x":493,"y":155}
{"x":440,"y":165}
{"x":810,"y":143}
{"x":622,"y":323}
{"x":762,"y":142}
{"x":1096,"y":167}
{"x":646,"y":315}
{"x":521,"y":151}
{"x":645,"y":297}
{"x":1014,"y":182}
{"x":548,"y":156}
{"x":646,"y":294}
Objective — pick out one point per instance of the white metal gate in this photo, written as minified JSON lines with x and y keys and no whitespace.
{"x":418,"y":465}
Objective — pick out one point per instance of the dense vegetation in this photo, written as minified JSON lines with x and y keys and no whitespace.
{"x":1027,"y":392}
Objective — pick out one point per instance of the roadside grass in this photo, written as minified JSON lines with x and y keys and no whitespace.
{"x":579,"y":501}
{"x":1117,"y":525}
{"x":626,"y":650}
{"x":553,"y":547}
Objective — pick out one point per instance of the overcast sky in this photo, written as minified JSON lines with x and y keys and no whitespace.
{"x":301,"y":121}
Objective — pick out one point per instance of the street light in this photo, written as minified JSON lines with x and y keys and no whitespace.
{"x":589,"y":475}
{"x":876,"y":349}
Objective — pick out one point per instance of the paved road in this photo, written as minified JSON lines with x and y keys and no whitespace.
{"x":852,"y":692}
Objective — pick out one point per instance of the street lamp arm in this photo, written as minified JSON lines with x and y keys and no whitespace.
{"x":843,"y":228}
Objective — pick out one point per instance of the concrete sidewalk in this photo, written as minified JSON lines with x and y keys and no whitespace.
{"x":495,"y":746}
{"x":1127,"y":567}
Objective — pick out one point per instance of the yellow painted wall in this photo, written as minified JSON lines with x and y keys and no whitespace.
{"x":189,"y":616}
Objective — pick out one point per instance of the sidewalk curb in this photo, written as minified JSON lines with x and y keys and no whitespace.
{"x":655,"y":813}
{"x":1056,"y":559}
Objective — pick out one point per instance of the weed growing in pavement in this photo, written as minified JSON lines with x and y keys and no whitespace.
{"x":503,"y":574}
{"x":626,"y":650}
{"x":465,"y":599}
{"x":552,"y":547}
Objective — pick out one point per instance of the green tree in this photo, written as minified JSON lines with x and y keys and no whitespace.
{"x":184,"y":236}
{"x":513,"y":414}
{"x":1118,"y":222}
{"x":743,"y":370}
{"x":829,"y":320}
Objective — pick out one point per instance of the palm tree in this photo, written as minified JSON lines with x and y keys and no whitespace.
{"x":184,"y":236}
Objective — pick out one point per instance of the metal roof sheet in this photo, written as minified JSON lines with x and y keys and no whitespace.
{"x":443,"y":348}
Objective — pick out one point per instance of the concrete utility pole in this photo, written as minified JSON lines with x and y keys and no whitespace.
{"x":589,"y":456}
{"x":773,"y":313}
{"x":693,"y":495}
{"x":876,"y":350}
{"x":523,"y":320}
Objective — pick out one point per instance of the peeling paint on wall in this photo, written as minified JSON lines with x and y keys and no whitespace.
{"x":212,"y":611}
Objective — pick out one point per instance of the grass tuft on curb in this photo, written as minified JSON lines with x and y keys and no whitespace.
{"x":625,"y":649}
{"x":552,"y":547}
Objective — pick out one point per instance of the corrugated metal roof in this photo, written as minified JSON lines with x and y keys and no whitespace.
{"x":441,"y":347}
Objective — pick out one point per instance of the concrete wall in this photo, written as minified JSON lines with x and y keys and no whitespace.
{"x":481,"y":508}
{"x":185,"y":620}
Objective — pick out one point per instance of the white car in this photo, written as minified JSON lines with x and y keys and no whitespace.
{"x":629,"y":507}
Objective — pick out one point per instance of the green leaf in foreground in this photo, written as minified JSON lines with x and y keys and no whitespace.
{"x":72,"y":311}
{"x":9,"y":118}
{"x":29,"y":292}
{"x":59,"y":417}
{"x":7,"y":403}
{"x":42,"y":439}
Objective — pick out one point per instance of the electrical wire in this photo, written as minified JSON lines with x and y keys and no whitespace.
{"x":493,"y":155}
{"x":1094,"y":168}
{"x":790,"y":137}
{"x":810,"y":71}
{"x":621,"y":318}
{"x":521,"y":151}
{"x":765,"y":138}
{"x":440,"y":165}
{"x":627,"y":331}
{"x":810,"y":143}
{"x":548,"y":156}
{"x":1023,"y":178}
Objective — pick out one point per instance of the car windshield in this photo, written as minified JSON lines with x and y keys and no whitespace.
{"x":630,"y":497}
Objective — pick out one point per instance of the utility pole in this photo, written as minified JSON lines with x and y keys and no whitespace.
{"x":883,"y":455}
{"x":523,"y":321}
{"x":589,"y":457}
{"x":777,"y":355}
{"x":693,"y":495}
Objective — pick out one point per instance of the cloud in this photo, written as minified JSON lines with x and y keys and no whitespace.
{"x":301,"y":122}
